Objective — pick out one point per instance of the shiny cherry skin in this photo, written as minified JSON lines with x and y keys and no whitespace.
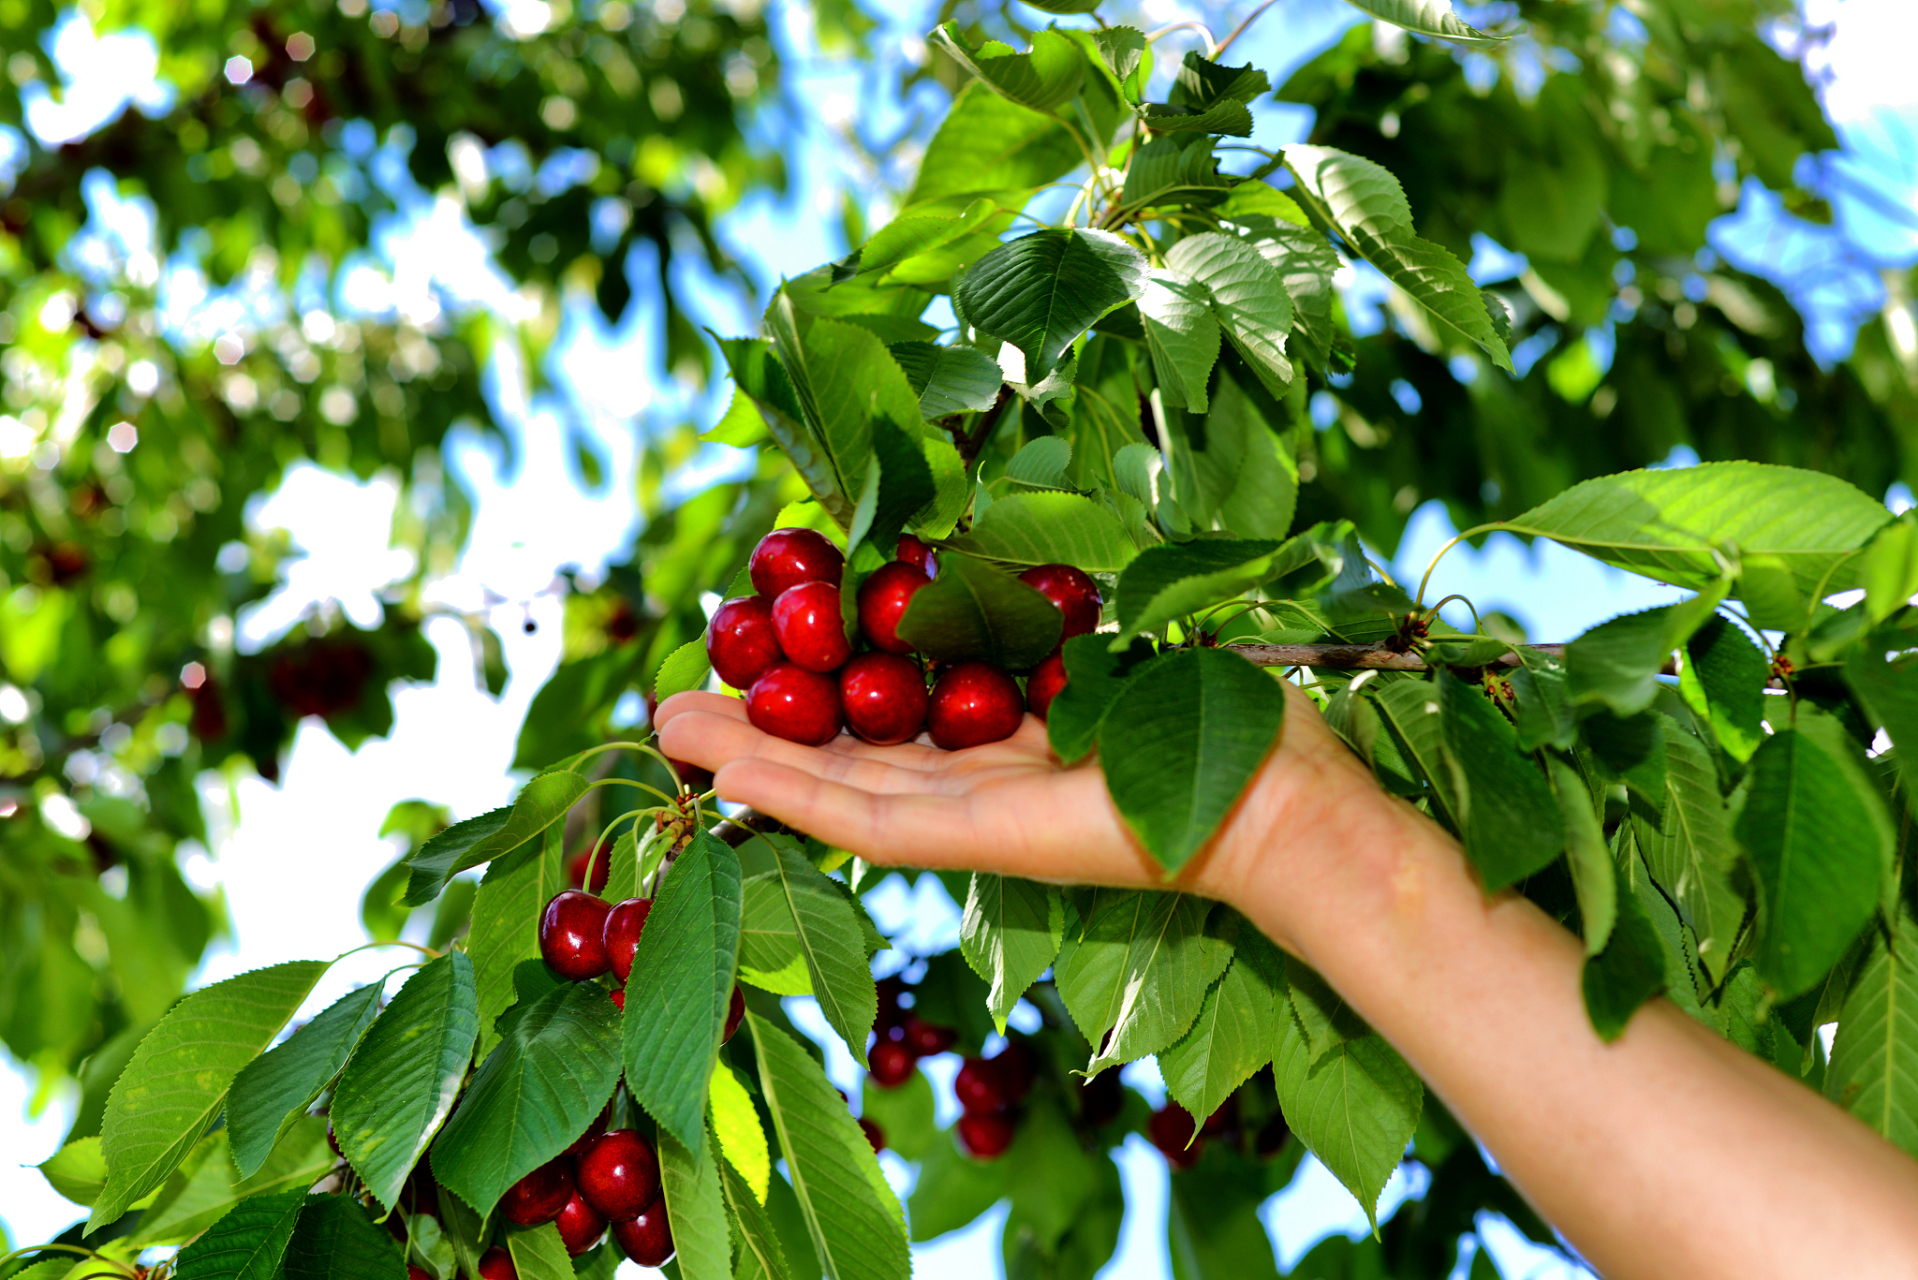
{"x":917,"y":554}
{"x":926,"y":1039}
{"x":735,"y":1013}
{"x":986,"y":1137}
{"x":981,"y":1087}
{"x":1170,"y":1129}
{"x":891,"y":1063}
{"x":810,"y":629}
{"x":884,"y":698}
{"x":648,"y":1238}
{"x":1072,"y":592}
{"x":785,"y":558}
{"x":494,"y":1264}
{"x":540,"y":1195}
{"x":618,"y":995}
{"x":602,"y":864}
{"x":597,"y":1128}
{"x":1044,"y":684}
{"x":623,"y":925}
{"x":572,"y":935}
{"x":793,"y":703}
{"x":874,"y":1134}
{"x":619,"y":1175}
{"x":972,"y":704}
{"x":740,"y":640}
{"x":580,"y":1225}
{"x":883,"y":598}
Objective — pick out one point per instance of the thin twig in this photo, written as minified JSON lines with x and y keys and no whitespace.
{"x":1361,"y":657}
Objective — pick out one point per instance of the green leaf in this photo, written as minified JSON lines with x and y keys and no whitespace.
{"x":1354,"y":1108}
{"x":1236,"y":1032}
{"x":1890,"y":571}
{"x":1065,"y":6}
{"x":1174,"y":169}
{"x":78,"y":1170}
{"x":1214,"y":1230}
{"x":248,"y":1243}
{"x":1689,"y":849}
{"x":1247,"y":297}
{"x":854,"y":383}
{"x":677,"y":1010}
{"x":1042,"y":291}
{"x":829,"y":938}
{"x":1010,"y":934}
{"x":760,"y":375}
{"x":1543,"y":713}
{"x":689,"y":1178}
{"x":1139,"y":967}
{"x":1594,"y":881}
{"x":1874,"y":1061}
{"x":552,"y":1072}
{"x":741,"y":427}
{"x":335,"y":1240}
{"x":1818,"y":856}
{"x":207,"y":1188}
{"x":972,"y":610}
{"x":1411,"y":709}
{"x":760,"y":1255}
{"x":1617,"y":662}
{"x":1428,"y":18}
{"x":504,"y":931}
{"x":736,"y":1129}
{"x":990,"y":146}
{"x":1227,"y":116}
{"x":275,"y":1089}
{"x":400,"y":1084}
{"x":684,"y":670}
{"x":1306,"y":263}
{"x":834,"y":1173}
{"x":1201,"y":81}
{"x":1047,"y":77}
{"x":177,"y":1081}
{"x":1629,"y":970}
{"x":904,"y":1112}
{"x":1050,"y":1176}
{"x":1233,"y":469}
{"x":1094,"y":678}
{"x":1041,"y":463}
{"x":1366,"y":207}
{"x":1722,"y":680}
{"x":540,"y":803}
{"x":949,"y":379}
{"x":1322,"y":1014}
{"x":1168,"y":582}
{"x":1183,"y":336}
{"x":539,"y":1253}
{"x":1048,"y":528}
{"x":953,"y":1189}
{"x":911,"y":235}
{"x":898,"y":484}
{"x":1508,"y":819}
{"x":1887,"y":689}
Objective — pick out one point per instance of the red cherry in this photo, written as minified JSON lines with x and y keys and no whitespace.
{"x":1017,"y":1068}
{"x":981,"y":1087}
{"x":1222,"y":1119}
{"x":580,"y":1225}
{"x":1044,"y":684}
{"x":884,"y":698}
{"x":740,"y":640}
{"x":735,"y":1013}
{"x":874,"y":1134}
{"x":602,"y":864}
{"x":785,"y":558}
{"x":926,"y":1039}
{"x":415,"y":1272}
{"x":619,"y":1175}
{"x":890,"y":1014}
{"x":891,"y":1063}
{"x":917,"y":554}
{"x":598,"y":1127}
{"x":1071,"y":592}
{"x":883,"y":598}
{"x":540,"y":1195}
{"x":1101,"y":1099}
{"x":985,"y":1137}
{"x":648,"y":1238}
{"x":1273,"y":1137}
{"x":810,"y":629}
{"x":795,"y":704}
{"x":618,"y":995}
{"x":494,"y":1264}
{"x":1170,"y":1129}
{"x":974,"y":703}
{"x":623,"y":925}
{"x":572,"y":935}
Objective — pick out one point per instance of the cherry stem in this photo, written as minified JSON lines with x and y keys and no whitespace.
{"x":628,"y":782}
{"x":1456,"y":539}
{"x":428,"y":952}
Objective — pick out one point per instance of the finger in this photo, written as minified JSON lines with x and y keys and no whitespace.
{"x":712,"y":703}
{"x":712,"y":740}
{"x":906,"y":755}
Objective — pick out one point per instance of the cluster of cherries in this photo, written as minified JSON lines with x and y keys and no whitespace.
{"x":1172,"y":1130}
{"x":787,"y":648}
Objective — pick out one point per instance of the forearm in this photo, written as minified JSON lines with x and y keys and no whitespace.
{"x":1667,"y":1153}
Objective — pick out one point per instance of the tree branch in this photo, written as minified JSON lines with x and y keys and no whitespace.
{"x":1361,"y":657}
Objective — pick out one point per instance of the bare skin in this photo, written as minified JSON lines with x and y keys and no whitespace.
{"x":1669,"y":1153}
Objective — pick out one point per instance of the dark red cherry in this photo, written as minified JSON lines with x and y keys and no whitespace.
{"x":619,"y":1174}
{"x":985,"y":1137}
{"x":1044,"y":684}
{"x":1170,"y":1129}
{"x":735,"y":1012}
{"x":1273,"y":1137}
{"x":580,"y":1225}
{"x":810,"y":629}
{"x":648,"y":1238}
{"x":618,"y":995}
{"x":890,"y":1013}
{"x":981,"y":1087}
{"x":540,"y":1195}
{"x":972,"y":704}
{"x":572,"y":935}
{"x":874,"y":1134}
{"x":623,"y":924}
{"x":416,"y":1272}
{"x":1224,"y":1118}
{"x":883,"y":697}
{"x":596,"y":1129}
{"x":1074,"y":594}
{"x":494,"y":1264}
{"x":793,"y":703}
{"x":917,"y":554}
{"x":925,"y":1039}
{"x":883,"y":598}
{"x":891,"y":1063}
{"x":1017,"y":1069}
{"x":740,"y":640}
{"x":602,"y":863}
{"x":785,"y":558}
{"x":1101,"y":1099}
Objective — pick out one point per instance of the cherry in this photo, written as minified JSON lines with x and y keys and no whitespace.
{"x":883,"y":598}
{"x":540,"y":1195}
{"x":623,"y":925}
{"x":1273,"y":1137}
{"x":917,"y":554}
{"x":874,"y":1134}
{"x":494,"y":1264}
{"x":1171,"y":1129}
{"x":648,"y":1238}
{"x":572,"y":935}
{"x":891,"y":1063}
{"x":619,"y":1175}
{"x":1044,"y":684}
{"x":974,"y":703}
{"x":1222,"y":1119}
{"x":884,"y":698}
{"x":740,"y":640}
{"x":810,"y":629}
{"x":1071,"y":592}
{"x":580,"y":1226}
{"x":416,"y":1272}
{"x":985,"y":1137}
{"x":735,"y":1013}
{"x":1017,"y":1069}
{"x":926,"y":1039}
{"x":597,"y":1128}
{"x":1101,"y":1099}
{"x":793,"y":703}
{"x":618,"y":995}
{"x":981,"y":1087}
{"x":890,"y":1014}
{"x":602,"y":864}
{"x":785,"y":558}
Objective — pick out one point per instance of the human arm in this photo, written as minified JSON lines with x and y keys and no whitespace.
{"x":1666,"y":1153}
